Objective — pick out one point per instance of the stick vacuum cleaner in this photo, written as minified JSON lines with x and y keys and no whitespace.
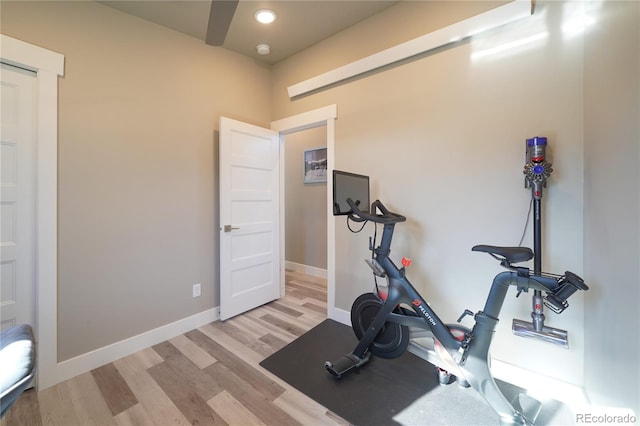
{"x":536,"y":171}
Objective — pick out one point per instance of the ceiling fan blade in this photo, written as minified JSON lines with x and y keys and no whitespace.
{"x":220,"y":17}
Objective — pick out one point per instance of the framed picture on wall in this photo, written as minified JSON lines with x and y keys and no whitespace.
{"x":314,"y":167}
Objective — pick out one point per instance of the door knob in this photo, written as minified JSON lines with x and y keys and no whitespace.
{"x":229,"y":228}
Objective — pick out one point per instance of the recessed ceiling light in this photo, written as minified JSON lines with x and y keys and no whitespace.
{"x":265,"y":16}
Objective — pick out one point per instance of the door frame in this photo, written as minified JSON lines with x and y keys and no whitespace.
{"x":324,"y":116}
{"x":48,"y":66}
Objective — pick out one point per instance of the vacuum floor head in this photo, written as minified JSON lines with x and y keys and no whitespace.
{"x":547,"y":334}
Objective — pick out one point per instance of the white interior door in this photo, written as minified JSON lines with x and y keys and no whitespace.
{"x":17,"y":196}
{"x":249,"y":217}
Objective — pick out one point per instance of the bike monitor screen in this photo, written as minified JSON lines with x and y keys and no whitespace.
{"x":349,"y":185}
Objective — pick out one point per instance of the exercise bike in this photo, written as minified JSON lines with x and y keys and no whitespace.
{"x":389,"y":323}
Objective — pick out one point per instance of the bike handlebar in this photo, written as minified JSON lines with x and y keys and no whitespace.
{"x":386,"y":217}
{"x":558,"y":288}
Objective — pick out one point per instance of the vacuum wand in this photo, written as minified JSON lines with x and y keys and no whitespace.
{"x":537,"y":314}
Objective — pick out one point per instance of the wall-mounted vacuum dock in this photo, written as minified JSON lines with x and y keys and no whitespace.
{"x":536,"y":172}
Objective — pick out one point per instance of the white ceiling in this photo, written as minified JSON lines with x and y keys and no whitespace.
{"x":300,"y":23}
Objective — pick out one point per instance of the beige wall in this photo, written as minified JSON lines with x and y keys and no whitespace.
{"x":306,"y":204}
{"x":442,"y":137}
{"x":138,"y":107}
{"x":612,"y":206}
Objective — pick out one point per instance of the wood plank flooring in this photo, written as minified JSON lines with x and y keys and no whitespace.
{"x":207,"y":376}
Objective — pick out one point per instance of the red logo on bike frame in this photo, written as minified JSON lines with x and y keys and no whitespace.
{"x":416,"y":302}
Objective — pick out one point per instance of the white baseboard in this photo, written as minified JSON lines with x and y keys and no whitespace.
{"x":340,"y":315}
{"x":538,"y":386}
{"x":99,"y":357}
{"x":547,"y":387}
{"x":310,"y":270}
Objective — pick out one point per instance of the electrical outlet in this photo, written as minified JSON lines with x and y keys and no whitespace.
{"x":196,"y":290}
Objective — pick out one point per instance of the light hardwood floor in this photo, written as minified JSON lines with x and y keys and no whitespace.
{"x":207,"y":376}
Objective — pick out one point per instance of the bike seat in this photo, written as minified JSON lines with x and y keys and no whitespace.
{"x":510,"y":254}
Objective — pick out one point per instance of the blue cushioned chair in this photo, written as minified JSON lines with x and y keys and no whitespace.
{"x":17,"y":364}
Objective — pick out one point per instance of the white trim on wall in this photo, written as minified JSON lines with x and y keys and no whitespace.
{"x":493,"y":18}
{"x":48,"y":66}
{"x":307,"y":120}
{"x":305,"y":269}
{"x":106,"y":354}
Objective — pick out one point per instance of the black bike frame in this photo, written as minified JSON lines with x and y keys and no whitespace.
{"x":471,"y":354}
{"x":401,"y":291}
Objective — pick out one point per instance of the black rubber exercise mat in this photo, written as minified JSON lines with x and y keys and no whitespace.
{"x":401,"y":391}
{"x":383,"y":392}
